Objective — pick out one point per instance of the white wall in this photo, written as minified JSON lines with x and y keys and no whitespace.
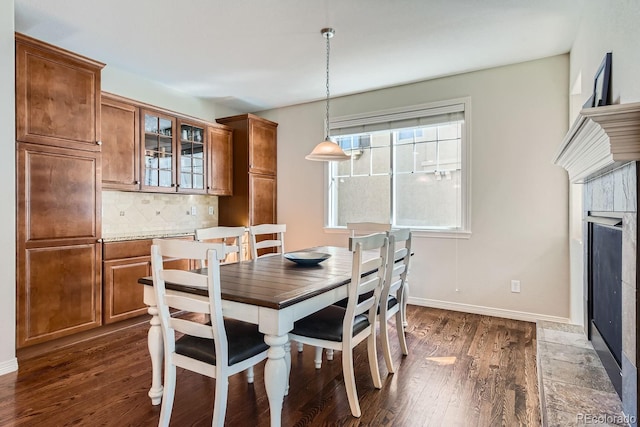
{"x":519,"y":198}
{"x":8,"y":360}
{"x":123,"y":83}
{"x":605,"y":27}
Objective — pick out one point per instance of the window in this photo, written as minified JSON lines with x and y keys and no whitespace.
{"x":408,"y":167}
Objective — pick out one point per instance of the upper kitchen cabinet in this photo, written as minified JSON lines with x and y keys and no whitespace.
{"x":191,"y":157}
{"x":220,"y":143}
{"x":175,"y":153}
{"x":57,"y":96}
{"x":263,"y":145}
{"x":254,"y":172}
{"x":120,"y":144}
{"x":158,"y":159}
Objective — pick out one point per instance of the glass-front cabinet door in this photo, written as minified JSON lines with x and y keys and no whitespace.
{"x":191,"y":158}
{"x":159,"y":155}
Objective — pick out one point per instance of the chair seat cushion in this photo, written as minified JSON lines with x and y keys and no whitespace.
{"x":326,"y":324}
{"x":391,"y":301}
{"x":244,"y":341}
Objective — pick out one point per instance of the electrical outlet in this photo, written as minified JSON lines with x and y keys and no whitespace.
{"x":515,"y":286}
{"x":210,"y":210}
{"x":193,"y":210}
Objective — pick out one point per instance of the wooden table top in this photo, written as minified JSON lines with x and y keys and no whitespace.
{"x":275,"y":282}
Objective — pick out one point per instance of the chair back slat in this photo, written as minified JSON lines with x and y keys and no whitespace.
{"x":189,"y":327}
{"x":231,"y":236}
{"x":271,"y":236}
{"x":182,"y":303}
{"x":363,"y":228}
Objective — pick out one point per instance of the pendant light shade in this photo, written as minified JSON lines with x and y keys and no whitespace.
{"x":327,"y":150}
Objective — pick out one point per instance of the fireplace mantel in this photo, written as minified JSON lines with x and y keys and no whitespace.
{"x":600,"y":139}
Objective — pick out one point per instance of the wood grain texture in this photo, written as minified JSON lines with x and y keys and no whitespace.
{"x":254,"y":173}
{"x":120,"y":144}
{"x":462,"y":370}
{"x":57,"y":96}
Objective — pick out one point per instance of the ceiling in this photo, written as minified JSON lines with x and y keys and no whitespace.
{"x":252,"y":55}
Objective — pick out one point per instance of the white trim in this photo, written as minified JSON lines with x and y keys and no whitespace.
{"x":431,"y":108}
{"x":8,"y":366}
{"x":487,"y":311}
{"x":419,"y":233}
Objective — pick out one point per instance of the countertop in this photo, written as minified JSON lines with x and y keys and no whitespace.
{"x":145,"y":235}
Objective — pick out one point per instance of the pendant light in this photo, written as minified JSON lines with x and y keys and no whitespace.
{"x":327,"y":150}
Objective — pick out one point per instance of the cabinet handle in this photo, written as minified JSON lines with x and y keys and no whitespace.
{"x":99,"y":142}
{"x":136,"y":182}
{"x":173,"y":185}
{"x":99,"y":241}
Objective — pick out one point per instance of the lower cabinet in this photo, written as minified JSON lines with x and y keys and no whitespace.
{"x":124,"y":262}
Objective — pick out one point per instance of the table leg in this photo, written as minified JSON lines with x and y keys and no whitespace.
{"x":154,"y":341}
{"x":287,"y":360}
{"x":275,"y":375}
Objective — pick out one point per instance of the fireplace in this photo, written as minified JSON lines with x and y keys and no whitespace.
{"x":604,"y":296}
{"x":601,"y":153}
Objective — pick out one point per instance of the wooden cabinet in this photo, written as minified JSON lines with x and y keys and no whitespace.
{"x":124,"y":263}
{"x":191,"y":157}
{"x":220,"y":162}
{"x":58,"y":249}
{"x":120,"y":144}
{"x":57,"y":96}
{"x":58,"y":187}
{"x":254,"y":172}
{"x":158,"y":159}
{"x":154,"y":150}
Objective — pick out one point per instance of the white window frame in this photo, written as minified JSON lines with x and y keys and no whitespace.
{"x":414,"y":111}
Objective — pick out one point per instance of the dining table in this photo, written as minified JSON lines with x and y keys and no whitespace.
{"x":272,"y":292}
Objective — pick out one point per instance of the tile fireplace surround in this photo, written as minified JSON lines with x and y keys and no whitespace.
{"x":602,"y":151}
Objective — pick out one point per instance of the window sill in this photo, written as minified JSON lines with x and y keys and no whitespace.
{"x":416,"y":233}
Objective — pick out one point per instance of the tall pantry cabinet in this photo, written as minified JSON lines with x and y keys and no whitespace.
{"x":58,"y":167}
{"x":254,"y":172}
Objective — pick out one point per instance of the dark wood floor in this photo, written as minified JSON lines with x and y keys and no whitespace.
{"x":462,"y":370}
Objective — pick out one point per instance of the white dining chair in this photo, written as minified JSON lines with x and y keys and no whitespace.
{"x":339,"y":328}
{"x":395,"y":291}
{"x":231,"y":237}
{"x":364,"y":228}
{"x":217,"y":349}
{"x":271,"y":237}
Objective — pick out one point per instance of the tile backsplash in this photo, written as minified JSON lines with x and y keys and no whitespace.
{"x":129,"y":214}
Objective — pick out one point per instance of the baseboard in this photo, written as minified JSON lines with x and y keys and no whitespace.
{"x":8,"y":366}
{"x":487,"y":311}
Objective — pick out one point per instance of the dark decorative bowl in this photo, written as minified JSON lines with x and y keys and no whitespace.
{"x":306,"y":258}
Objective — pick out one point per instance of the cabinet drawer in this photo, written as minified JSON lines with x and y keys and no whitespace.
{"x":126,"y":249}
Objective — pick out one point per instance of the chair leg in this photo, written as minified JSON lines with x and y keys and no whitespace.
{"x":168,"y":394}
{"x":386,"y":348}
{"x":350,"y":382}
{"x":220,"y":401}
{"x":329,"y":354}
{"x":318,"y":358}
{"x":403,"y":303}
{"x":373,"y":358}
{"x":250,"y":375}
{"x":401,"y":336}
{"x":300,"y":347}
